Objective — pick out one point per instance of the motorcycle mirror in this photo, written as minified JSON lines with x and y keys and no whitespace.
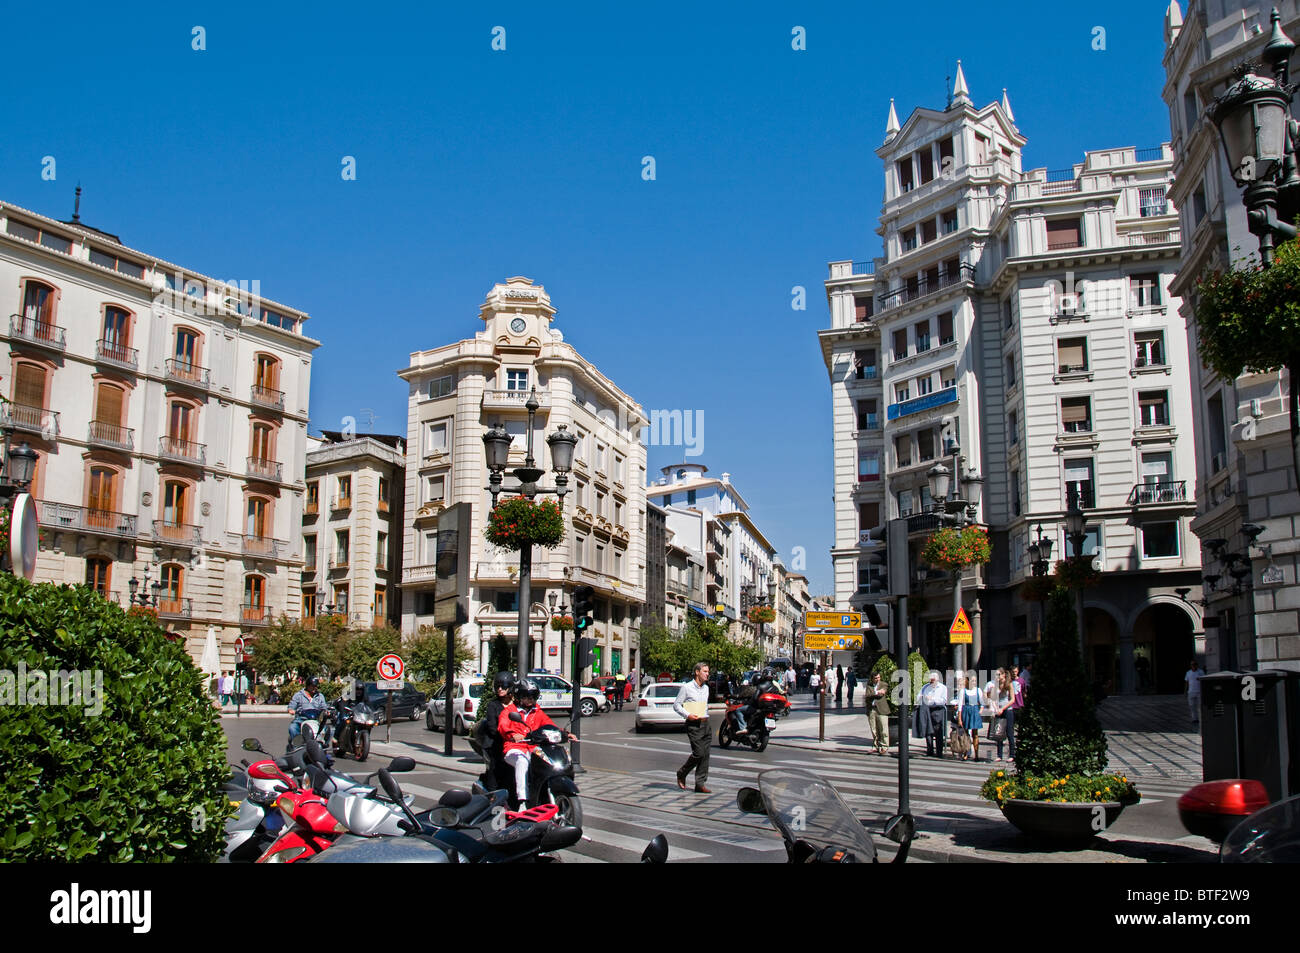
{"x":900,"y":828}
{"x":402,"y":763}
{"x":750,"y":801}
{"x":445,"y":817}
{"x":656,"y":852}
{"x":252,"y":744}
{"x":515,"y":716}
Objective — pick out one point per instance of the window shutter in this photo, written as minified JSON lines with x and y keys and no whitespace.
{"x":108,"y":405}
{"x":1071,"y":353}
{"x":1074,"y":411}
{"x":29,"y":389}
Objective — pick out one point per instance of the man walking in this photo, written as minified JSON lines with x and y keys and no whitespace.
{"x":1192,"y":685}
{"x":852,"y":679}
{"x":878,"y":705}
{"x":695,"y":694}
{"x":620,"y":686}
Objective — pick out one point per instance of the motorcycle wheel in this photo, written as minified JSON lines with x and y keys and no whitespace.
{"x":569,"y":807}
{"x":761,"y":741}
{"x":361,"y":745}
{"x":724,"y":734}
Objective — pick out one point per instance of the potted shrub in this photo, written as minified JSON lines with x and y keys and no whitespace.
{"x":1060,"y":790}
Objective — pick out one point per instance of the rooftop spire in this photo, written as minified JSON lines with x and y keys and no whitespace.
{"x":1006,"y":106}
{"x":76,"y":205}
{"x":891,"y":124}
{"x":960,"y":94}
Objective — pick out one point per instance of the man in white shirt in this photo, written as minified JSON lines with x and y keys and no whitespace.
{"x":1192,"y":685}
{"x":697,"y":728}
{"x":930,"y":714}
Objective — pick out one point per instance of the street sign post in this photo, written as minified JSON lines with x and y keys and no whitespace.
{"x":390,"y":684}
{"x":832,"y":620}
{"x":960,"y":632}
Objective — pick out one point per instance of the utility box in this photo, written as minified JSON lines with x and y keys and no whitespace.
{"x":1221,"y":726}
{"x":1270,"y":731}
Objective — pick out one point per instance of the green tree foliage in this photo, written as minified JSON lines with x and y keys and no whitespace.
{"x":426,"y":657}
{"x":137,"y":780}
{"x":1057,"y":732}
{"x":360,"y":651}
{"x":916,"y":665}
{"x":704,"y":640}
{"x":290,"y":650}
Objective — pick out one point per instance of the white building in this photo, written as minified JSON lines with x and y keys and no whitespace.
{"x":1020,"y":326}
{"x":460,"y":390}
{"x":169,"y":410}
{"x":1243,"y":453}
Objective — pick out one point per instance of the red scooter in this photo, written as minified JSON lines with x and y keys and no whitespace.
{"x":762,"y":719}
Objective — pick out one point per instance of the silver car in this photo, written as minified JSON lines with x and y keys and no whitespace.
{"x":655,"y":707}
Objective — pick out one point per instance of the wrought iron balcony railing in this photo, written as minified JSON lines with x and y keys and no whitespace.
{"x":1146,"y":494}
{"x":184,"y":451}
{"x":38,"y":332}
{"x":111,"y":352}
{"x":184,"y":372}
{"x":62,"y":516}
{"x":111,"y":435}
{"x":267,"y":397}
{"x":177,"y":534}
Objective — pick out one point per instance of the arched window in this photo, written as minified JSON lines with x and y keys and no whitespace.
{"x":116,"y":343}
{"x":38,"y":309}
{"x":101,"y":496}
{"x":170,"y":595}
{"x":258,"y":522}
{"x":263,"y":449}
{"x":267,"y":374}
{"x":98,"y":574}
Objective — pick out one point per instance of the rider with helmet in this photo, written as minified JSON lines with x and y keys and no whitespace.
{"x":307,"y":703}
{"x":762,"y":683}
{"x":517,"y":750}
{"x":497,"y":774}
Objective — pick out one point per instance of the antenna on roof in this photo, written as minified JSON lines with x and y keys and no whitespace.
{"x":76,"y":207}
{"x":947,"y":88}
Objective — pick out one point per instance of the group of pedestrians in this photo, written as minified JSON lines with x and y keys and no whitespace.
{"x":998,"y":701}
{"x":231,"y":687}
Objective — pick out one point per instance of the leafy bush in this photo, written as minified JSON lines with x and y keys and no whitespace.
{"x":426,"y":658}
{"x":139,"y":780}
{"x":917,"y":668}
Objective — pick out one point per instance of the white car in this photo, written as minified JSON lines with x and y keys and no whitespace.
{"x":655,"y":707}
{"x":557,"y":695}
{"x":466,"y":695}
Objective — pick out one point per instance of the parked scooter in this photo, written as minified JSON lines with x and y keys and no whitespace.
{"x":550,"y":773}
{"x":815,"y":823}
{"x":1236,"y":814}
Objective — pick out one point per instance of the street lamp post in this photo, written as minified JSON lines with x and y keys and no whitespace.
{"x":752,"y":598}
{"x":19,"y":470}
{"x":959,"y":513}
{"x":144,"y":599}
{"x":497,"y":444}
{"x":1076,"y":531}
{"x":1040,"y":560}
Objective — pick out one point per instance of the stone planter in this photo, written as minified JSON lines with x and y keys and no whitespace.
{"x":1062,"y":824}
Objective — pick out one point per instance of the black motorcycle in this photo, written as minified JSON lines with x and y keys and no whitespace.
{"x":352,"y":724}
{"x":550,"y":773}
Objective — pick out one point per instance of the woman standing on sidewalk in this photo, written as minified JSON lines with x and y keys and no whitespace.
{"x":1005,"y":708}
{"x":968,"y":714}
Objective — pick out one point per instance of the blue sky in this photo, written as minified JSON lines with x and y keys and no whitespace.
{"x":474,"y":165}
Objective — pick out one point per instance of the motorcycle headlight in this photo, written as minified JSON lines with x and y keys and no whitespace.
{"x":551,"y":735}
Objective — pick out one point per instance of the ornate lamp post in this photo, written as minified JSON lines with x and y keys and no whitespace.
{"x":144,"y":599}
{"x":1076,"y":523}
{"x":496,"y":442}
{"x":1040,"y":561}
{"x":751,"y":597}
{"x":958,"y":513}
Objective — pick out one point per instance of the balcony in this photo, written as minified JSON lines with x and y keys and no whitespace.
{"x":264,"y":469}
{"x":182,"y":451}
{"x":1151,"y":494}
{"x":38,"y":332}
{"x":61,"y":517}
{"x":183,"y":372}
{"x":678,"y":589}
{"x":36,"y":420}
{"x":250,"y":614}
{"x":175,"y":608}
{"x":177,"y":534}
{"x":1084,"y":491}
{"x":311,"y":509}
{"x":1060,"y":182}
{"x":924,"y":523}
{"x":869,"y":422}
{"x":513,"y":399}
{"x":117,"y":355}
{"x":419,"y":575}
{"x":261,"y":546}
{"x":309,"y":572}
{"x":110,"y":435}
{"x":1170,"y":236}
{"x":339,"y":503}
{"x":922,"y":288}
{"x":918,"y":404}
{"x":338,"y":562}
{"x":267,"y":397}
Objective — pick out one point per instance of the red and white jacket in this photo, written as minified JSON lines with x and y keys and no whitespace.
{"x":513,"y":733}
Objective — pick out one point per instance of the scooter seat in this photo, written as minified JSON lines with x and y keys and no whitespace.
{"x":455,"y":798}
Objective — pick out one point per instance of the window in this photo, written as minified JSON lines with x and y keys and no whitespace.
{"x":97,"y":574}
{"x":690,"y":497}
{"x":945,"y":328}
{"x":254,"y":592}
{"x":600,"y":558}
{"x":309,"y":604}
{"x":258,"y":522}
{"x":1149,"y":349}
{"x":600,"y":502}
{"x":618,"y":469}
{"x":1215,"y":431}
{"x":952,"y":269}
{"x":868,"y":466}
{"x":175,"y":498}
{"x":900,"y":344}
{"x":435,"y":439}
{"x":618,"y":513}
{"x":930,"y":279}
{"x":1062,"y":233}
{"x":101,"y":495}
{"x":186,"y":351}
{"x":924,"y":384}
{"x":341,"y":599}
{"x":945,"y":151}
{"x":313,"y":496}
{"x":904,"y":503}
{"x":618,"y":572}
{"x":1152,"y":201}
{"x":1145,"y":290}
{"x":381,"y":603}
{"x":904,"y":168}
{"x":1076,"y":414}
{"x":1007,"y":317}
{"x":1157,"y":468}
{"x":309,"y":553}
{"x":268,"y":373}
{"x":1191,"y":113}
{"x":181,"y":422}
{"x":1013,"y":428}
{"x":580,"y":493}
{"x":435,"y":488}
{"x":114,"y":263}
{"x":867,"y":417}
{"x":117,"y":337}
{"x":908,"y":239}
{"x":602,"y":456}
{"x":342,"y":546}
{"x":278,"y":320}
{"x":929,"y":231}
{"x":927,"y":501}
{"x":345,"y":490}
{"x":925,"y":445}
{"x":863,"y":307}
{"x":1011,"y":370}
{"x":925,"y":160}
{"x":1198,"y":205}
{"x":263,"y":449}
{"x":381,"y":549}
{"x":1078,"y":482}
{"x":169,"y":596}
{"x":949,"y":221}
{"x":903,"y":450}
{"x":981,"y":148}
{"x":1159,"y":540}
{"x":922,"y":336}
{"x":1153,"y":408}
{"x":39,"y":235}
{"x":108,"y":411}
{"x":516,"y":380}
{"x":1015,"y":493}
{"x":38,"y":308}
{"x":902,"y":391}
{"x":1072,"y":355}
{"x":430,"y":547}
{"x":580,"y":550}
{"x":864,"y":364}
{"x":868,"y":516}
{"x":442,"y":386}
{"x":383,"y":494}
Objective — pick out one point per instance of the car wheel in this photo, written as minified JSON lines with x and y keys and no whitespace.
{"x":415,"y":713}
{"x":460,"y":727}
{"x":587,"y":707}
{"x":428,"y":721}
{"x":639,"y":728}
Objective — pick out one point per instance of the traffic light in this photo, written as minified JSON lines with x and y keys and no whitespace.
{"x":582,"y":608}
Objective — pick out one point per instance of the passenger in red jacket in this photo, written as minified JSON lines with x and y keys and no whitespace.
{"x":519,"y":752}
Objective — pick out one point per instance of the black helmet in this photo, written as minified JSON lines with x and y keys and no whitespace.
{"x":502,"y":680}
{"x":769,"y":674}
{"x":526,"y":687}
{"x":313,"y":682}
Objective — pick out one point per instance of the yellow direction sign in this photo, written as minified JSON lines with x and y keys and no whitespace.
{"x":818,"y":641}
{"x":960,"y":633}
{"x":832,"y":620}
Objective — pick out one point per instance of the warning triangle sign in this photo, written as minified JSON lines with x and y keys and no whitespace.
{"x":960,"y":624}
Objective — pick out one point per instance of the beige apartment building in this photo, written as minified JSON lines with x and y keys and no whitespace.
{"x":169,"y":410}
{"x":1019,"y":328}
{"x":460,"y":390}
{"x":352,"y":527}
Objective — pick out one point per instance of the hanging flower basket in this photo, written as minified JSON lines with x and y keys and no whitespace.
{"x":143,"y":612}
{"x":1076,"y":573}
{"x":761,"y":614}
{"x":949,"y":548}
{"x":518,"y":522}
{"x":562,"y":623}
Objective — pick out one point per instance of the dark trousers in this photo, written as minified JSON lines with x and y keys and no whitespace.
{"x":1011,"y":735}
{"x":698,"y":733}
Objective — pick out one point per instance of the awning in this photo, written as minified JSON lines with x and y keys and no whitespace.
{"x":704,"y":612}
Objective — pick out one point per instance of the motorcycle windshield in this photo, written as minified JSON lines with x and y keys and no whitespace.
{"x":804,"y":807}
{"x":1269,"y":836}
